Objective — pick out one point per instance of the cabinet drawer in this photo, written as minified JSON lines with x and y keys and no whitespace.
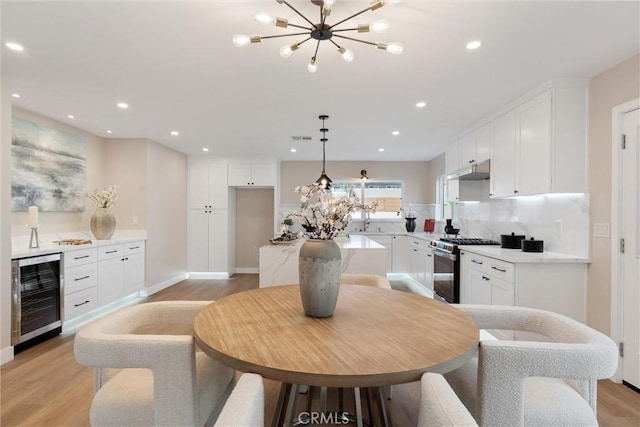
{"x":476,"y":262}
{"x":80,"y":277}
{"x":500,"y":269}
{"x":108,"y":252}
{"x":80,"y":302}
{"x":80,"y":257}
{"x":133,"y":248}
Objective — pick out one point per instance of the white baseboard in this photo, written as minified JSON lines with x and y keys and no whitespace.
{"x":247,"y":270}
{"x":163,"y":285}
{"x":6,"y":355}
{"x":209,"y":275}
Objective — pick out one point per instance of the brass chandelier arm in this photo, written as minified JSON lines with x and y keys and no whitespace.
{"x":315,"y":54}
{"x":344,"y":29}
{"x":355,"y":40}
{"x":346,"y":19}
{"x":285,"y":35}
{"x":296,"y":11}
{"x":300,"y":26}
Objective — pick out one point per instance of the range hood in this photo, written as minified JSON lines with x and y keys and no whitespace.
{"x":475,"y":172}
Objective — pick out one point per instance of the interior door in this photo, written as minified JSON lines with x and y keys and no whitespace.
{"x":630,"y":231}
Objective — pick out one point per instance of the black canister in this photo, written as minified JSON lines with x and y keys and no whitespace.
{"x":533,"y":245}
{"x":511,"y":241}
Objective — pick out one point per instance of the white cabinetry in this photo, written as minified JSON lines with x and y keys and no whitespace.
{"x":80,"y":282}
{"x":207,"y":185}
{"x":554,"y":286}
{"x":400,"y":262}
{"x":452,"y":158}
{"x":540,"y":146}
{"x":120,"y":271}
{"x":246,"y":174}
{"x":421,"y":261}
{"x":475,"y":147}
{"x":211,"y":226}
{"x":95,"y":277}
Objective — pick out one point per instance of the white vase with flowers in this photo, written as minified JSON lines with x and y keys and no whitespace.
{"x":103,"y":222}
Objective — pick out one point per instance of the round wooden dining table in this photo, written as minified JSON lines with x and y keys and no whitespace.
{"x":376,"y":337}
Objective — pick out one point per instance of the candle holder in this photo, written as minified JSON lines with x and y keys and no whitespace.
{"x":34,"y":242}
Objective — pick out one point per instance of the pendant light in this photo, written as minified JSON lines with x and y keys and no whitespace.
{"x":324,"y":181}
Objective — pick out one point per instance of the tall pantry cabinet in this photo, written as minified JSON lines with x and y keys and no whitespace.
{"x":211,"y":233}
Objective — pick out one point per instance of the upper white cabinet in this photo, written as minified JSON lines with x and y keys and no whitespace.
{"x":248,"y":174}
{"x":207,"y":185}
{"x":503,"y":156}
{"x":452,"y":158}
{"x":475,"y":147}
{"x":540,"y":146}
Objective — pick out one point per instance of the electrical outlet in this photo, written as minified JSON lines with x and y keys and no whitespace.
{"x":601,"y":229}
{"x":558,"y":227}
{"x":135,"y":220}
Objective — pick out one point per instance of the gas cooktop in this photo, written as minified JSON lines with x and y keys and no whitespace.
{"x":468,"y":241}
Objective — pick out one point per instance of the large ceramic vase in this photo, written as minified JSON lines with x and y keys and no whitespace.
{"x":103,"y":224}
{"x":319,"y":273}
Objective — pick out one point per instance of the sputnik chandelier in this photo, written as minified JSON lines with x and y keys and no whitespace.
{"x":323,"y":31}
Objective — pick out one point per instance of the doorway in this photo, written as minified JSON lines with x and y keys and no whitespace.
{"x":625,"y":251}
{"x":254,"y":225}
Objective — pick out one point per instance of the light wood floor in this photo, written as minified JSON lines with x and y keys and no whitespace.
{"x":44,"y":386}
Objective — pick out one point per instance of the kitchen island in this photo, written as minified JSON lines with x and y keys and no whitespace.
{"x":279,"y":263}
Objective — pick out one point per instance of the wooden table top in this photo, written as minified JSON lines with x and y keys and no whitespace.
{"x":375,"y":337}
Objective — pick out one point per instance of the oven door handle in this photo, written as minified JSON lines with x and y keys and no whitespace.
{"x":444,"y":254}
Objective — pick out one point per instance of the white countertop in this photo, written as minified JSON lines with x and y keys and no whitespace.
{"x":418,"y":235}
{"x":20,"y":244}
{"x":518,"y":256}
{"x":356,"y":241}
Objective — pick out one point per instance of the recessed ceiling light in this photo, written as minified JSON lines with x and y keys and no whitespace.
{"x":421,"y":104}
{"x":474,"y":44}
{"x":395,"y":133}
{"x":175,"y":133}
{"x":205,"y":149}
{"x":14,"y":46}
{"x":108,"y":130}
{"x":293,"y":150}
{"x":71,"y":116}
{"x":381,"y":149}
{"x":123,"y":105}
{"x":15,"y":95}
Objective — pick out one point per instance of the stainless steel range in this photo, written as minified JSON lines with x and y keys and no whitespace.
{"x":446,"y":265}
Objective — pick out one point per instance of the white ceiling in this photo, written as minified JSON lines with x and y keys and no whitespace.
{"x":175,"y":64}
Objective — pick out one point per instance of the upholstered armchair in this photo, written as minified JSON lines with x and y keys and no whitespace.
{"x":148,"y":371}
{"x":534,"y":383}
{"x":439,"y":405}
{"x":365,"y":280}
{"x":245,"y":406}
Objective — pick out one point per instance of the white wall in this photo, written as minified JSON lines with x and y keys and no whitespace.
{"x":6,"y":352}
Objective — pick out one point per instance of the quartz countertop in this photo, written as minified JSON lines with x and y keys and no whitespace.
{"x":20,"y":244}
{"x":518,"y":256}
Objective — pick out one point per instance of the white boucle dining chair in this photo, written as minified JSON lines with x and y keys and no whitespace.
{"x":439,"y":405}
{"x":245,"y":406}
{"x":365,"y":280}
{"x":534,"y":383}
{"x":147,"y":369}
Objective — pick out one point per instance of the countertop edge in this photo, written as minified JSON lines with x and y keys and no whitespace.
{"x":517,"y":256}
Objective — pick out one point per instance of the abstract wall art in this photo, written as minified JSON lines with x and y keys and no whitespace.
{"x":48,"y":168}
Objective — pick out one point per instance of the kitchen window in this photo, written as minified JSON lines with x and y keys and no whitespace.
{"x":444,"y":208}
{"x":387,"y":193}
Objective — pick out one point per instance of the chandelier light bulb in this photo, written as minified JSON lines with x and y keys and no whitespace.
{"x":241,"y":40}
{"x":328,"y":4}
{"x":286,"y":51}
{"x":347,"y":54}
{"x":264,"y":18}
{"x":380,"y":26}
{"x":395,"y":48}
{"x":313,"y":65}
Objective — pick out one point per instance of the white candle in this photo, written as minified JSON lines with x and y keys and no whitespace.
{"x":33,"y":216}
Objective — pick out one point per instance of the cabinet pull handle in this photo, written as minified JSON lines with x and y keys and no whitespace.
{"x":82,"y":303}
{"x":81,"y":278}
{"x":485,"y":278}
{"x":476,"y":262}
{"x":515,"y":191}
{"x":471,"y":161}
{"x":499,"y":269}
{"x":111,"y":252}
{"x":134,"y":247}
{"x":80,"y":257}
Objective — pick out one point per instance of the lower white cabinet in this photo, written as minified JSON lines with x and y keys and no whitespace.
{"x":399,"y":263}
{"x":559,"y":287}
{"x":98,"y":276}
{"x":208,"y":241}
{"x":420,"y":258}
{"x":387,"y":242}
